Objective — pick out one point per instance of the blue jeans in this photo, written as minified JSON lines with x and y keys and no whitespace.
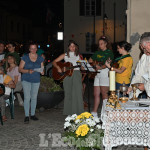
{"x":30,"y":93}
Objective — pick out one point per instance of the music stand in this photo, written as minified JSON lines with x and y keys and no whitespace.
{"x":88,"y":70}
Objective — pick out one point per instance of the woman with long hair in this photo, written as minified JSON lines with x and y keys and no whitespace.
{"x":73,"y":101}
{"x":31,"y":79}
{"x":13,"y":72}
{"x":101,"y":81}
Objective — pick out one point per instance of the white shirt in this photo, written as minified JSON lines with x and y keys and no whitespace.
{"x":72,"y":59}
{"x":142,"y":68}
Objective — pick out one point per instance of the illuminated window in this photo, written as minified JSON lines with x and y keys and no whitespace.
{"x":59,"y":35}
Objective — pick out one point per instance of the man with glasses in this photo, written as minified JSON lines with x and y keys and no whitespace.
{"x":142,"y":71}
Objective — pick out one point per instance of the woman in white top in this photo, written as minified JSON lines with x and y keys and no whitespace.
{"x":73,"y":101}
{"x":13,"y":72}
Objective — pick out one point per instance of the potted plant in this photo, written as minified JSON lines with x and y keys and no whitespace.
{"x":50,"y":94}
{"x":83,"y":132}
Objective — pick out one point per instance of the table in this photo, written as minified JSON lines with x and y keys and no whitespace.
{"x":128,"y":126}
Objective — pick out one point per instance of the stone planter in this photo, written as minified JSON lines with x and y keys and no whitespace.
{"x":49,"y":100}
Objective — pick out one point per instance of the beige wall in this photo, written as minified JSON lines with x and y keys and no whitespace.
{"x":137,"y":22}
{"x":78,"y":26}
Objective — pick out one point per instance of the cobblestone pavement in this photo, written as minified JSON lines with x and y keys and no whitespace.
{"x":15,"y":135}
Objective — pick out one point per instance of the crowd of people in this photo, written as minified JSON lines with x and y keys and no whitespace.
{"x":104,"y":57}
{"x":73,"y":102}
{"x":21,"y":74}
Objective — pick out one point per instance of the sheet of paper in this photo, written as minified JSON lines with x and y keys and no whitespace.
{"x":39,"y":69}
{"x":86,"y":65}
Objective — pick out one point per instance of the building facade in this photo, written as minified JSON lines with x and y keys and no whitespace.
{"x":137,"y":23}
{"x":86,"y":20}
{"x":14,"y":27}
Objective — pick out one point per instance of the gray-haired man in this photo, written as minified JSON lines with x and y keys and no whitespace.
{"x":142,"y":71}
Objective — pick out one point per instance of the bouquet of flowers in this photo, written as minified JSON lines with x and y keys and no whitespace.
{"x":83,"y":131}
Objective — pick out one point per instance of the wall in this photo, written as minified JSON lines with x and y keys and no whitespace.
{"x":25,"y":27}
{"x":76,"y":27}
{"x":137,"y":23}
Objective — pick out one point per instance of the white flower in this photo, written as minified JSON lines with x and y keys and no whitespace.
{"x":92,"y":123}
{"x":98,"y":126}
{"x":74,"y":116}
{"x":96,"y":119}
{"x":67,"y":124}
{"x":88,"y":120}
{"x":77,"y":121}
{"x":69,"y":119}
{"x":91,"y":130}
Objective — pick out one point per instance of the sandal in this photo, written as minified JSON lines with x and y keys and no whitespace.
{"x":4,"y":118}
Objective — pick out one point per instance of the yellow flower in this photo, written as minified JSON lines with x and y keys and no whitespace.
{"x":82,"y":130}
{"x":78,"y":117}
{"x":86,"y":115}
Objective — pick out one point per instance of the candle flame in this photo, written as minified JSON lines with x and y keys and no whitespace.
{"x":112,"y":69}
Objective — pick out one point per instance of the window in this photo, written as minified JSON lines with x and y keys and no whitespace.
{"x":90,"y":7}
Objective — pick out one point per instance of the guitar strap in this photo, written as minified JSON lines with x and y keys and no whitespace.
{"x":122,"y":57}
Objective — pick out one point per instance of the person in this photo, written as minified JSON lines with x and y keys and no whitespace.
{"x":142,"y":71}
{"x":8,"y":84}
{"x":2,"y":53}
{"x":13,"y":72}
{"x":40,"y":51}
{"x":123,"y":73}
{"x":30,"y":80}
{"x":101,"y":81}
{"x":11,"y":50}
{"x":73,"y":101}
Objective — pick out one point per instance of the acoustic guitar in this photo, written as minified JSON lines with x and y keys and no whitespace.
{"x":67,"y":66}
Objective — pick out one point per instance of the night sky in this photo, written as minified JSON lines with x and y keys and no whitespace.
{"x":36,"y":10}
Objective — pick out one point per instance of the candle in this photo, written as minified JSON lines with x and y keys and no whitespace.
{"x":112,"y":81}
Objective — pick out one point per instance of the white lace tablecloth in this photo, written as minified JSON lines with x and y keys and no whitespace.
{"x":127,"y":126}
